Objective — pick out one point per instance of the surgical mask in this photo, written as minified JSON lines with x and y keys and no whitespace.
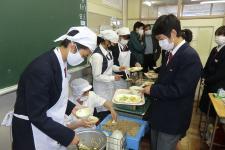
{"x":166,"y":45}
{"x":141,"y":31}
{"x":123,"y":42}
{"x":148,"y":32}
{"x":74,"y":59}
{"x":220,"y":40}
{"x":84,"y":98}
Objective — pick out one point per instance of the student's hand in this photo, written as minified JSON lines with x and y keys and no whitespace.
{"x":117,"y":77}
{"x":114,"y":114}
{"x":86,"y":123}
{"x":137,"y":65}
{"x":147,"y":90}
{"x":76,"y":108}
{"x":122,"y":68}
{"x":75,"y":140}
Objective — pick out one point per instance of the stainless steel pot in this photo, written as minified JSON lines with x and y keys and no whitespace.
{"x":91,"y":140}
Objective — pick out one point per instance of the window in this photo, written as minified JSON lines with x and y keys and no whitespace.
{"x":218,"y":9}
{"x":164,"y":10}
{"x":196,"y":10}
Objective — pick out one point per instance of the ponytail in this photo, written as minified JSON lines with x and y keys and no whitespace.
{"x":187,"y":35}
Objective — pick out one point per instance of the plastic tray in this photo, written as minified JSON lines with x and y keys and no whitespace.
{"x":131,"y":142}
{"x":125,"y":91}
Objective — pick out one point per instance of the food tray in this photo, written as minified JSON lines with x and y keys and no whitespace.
{"x":125,"y":91}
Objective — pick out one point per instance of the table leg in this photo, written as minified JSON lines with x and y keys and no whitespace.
{"x":213,"y":135}
{"x":206,"y":122}
{"x":200,"y":124}
{"x":198,"y":98}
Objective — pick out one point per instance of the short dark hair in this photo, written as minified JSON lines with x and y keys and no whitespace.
{"x":165,"y":24}
{"x":99,"y":40}
{"x":187,"y":35}
{"x":138,"y":24}
{"x":220,"y":31}
{"x":147,"y":25}
{"x":65,"y":43}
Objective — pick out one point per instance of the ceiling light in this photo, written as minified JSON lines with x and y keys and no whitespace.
{"x":147,"y":2}
{"x":211,"y":2}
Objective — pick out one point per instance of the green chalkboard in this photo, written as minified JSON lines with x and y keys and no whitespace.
{"x":28,"y":28}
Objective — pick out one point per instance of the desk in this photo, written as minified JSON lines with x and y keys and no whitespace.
{"x":220,"y":113}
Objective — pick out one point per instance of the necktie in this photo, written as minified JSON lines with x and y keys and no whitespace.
{"x":65,"y":71}
{"x":125,"y":48}
{"x":170,"y":57}
{"x":109,"y":56}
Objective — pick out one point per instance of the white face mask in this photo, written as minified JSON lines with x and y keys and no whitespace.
{"x":141,"y":31}
{"x":84,"y":98}
{"x":74,"y":59}
{"x":220,"y":40}
{"x":148,"y":32}
{"x":123,"y":42}
{"x":166,"y":45}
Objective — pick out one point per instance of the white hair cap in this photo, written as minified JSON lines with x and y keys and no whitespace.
{"x":81,"y":35}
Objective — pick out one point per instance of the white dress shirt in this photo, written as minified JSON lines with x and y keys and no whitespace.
{"x":174,"y":51}
{"x":96,"y":61}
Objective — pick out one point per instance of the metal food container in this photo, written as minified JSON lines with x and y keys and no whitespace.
{"x":90,"y":139}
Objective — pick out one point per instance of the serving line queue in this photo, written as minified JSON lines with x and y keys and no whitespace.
{"x":165,"y":101}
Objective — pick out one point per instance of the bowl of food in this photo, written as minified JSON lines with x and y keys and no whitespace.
{"x":151,"y":75}
{"x":147,"y":83}
{"x":135,"y":69}
{"x":93,"y":119}
{"x":90,"y":139}
{"x":83,"y":113}
{"x":136,"y":90}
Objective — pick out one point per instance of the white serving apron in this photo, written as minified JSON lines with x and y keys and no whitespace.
{"x":104,"y":89}
{"x":56,"y":112}
{"x":124,"y":60}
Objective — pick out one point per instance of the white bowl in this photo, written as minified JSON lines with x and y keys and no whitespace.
{"x":83,"y":113}
{"x":93,"y":119}
{"x":136,"y":90}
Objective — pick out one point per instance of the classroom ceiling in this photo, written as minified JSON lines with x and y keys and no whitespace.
{"x":174,"y":2}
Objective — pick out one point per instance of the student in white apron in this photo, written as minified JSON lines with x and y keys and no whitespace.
{"x":122,"y":56}
{"x":102,"y":69}
{"x":84,"y":97}
{"x":42,"y":95}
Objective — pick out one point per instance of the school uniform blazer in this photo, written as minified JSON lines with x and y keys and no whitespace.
{"x":173,"y":93}
{"x":214,"y":75}
{"x":39,"y":88}
{"x":214,"y":70}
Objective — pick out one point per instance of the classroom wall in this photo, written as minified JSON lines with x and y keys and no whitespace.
{"x":101,"y":14}
{"x":214,"y":23}
{"x":133,"y":10}
{"x":97,"y":7}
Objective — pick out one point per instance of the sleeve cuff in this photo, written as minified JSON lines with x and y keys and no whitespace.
{"x":112,"y":78}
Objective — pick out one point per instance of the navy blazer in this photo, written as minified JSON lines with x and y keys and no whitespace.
{"x":173,"y":92}
{"x":39,"y":88}
{"x":214,"y":70}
